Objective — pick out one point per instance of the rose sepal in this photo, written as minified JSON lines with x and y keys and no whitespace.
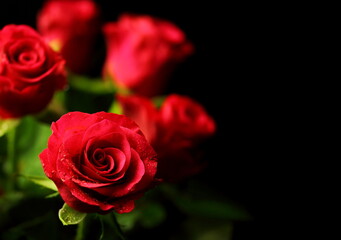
{"x":70,"y":216}
{"x":42,"y":181}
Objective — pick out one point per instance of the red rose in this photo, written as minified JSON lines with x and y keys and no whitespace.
{"x":100,"y":162}
{"x":71,"y":27}
{"x":186,"y":118}
{"x":176,"y":131}
{"x":142,"y":51}
{"x":30,"y":72}
{"x":143,"y":112}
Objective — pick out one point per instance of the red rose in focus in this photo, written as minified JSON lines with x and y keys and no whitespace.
{"x":142,"y":51}
{"x":71,"y":27}
{"x":30,"y":72}
{"x":100,"y":162}
{"x":176,"y":131}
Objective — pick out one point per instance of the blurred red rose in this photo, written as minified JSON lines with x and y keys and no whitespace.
{"x":143,"y":112}
{"x":176,"y":131}
{"x":30,"y":72}
{"x":100,"y":162}
{"x":71,"y":27}
{"x":142,"y":51}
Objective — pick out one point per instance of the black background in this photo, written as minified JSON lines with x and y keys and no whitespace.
{"x":235,"y":73}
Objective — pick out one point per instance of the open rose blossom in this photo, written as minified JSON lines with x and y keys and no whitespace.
{"x":176,"y":131}
{"x":100,"y":162}
{"x":142,"y":51}
{"x":30,"y":72}
{"x":71,"y":27}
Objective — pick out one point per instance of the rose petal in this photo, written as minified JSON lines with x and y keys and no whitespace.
{"x":82,"y":196}
{"x":143,"y":112}
{"x":48,"y":166}
{"x":121,"y":121}
{"x":87,"y":184}
{"x":132,"y":176}
{"x":67,"y":176}
{"x":124,"y":206}
{"x":108,"y":134}
{"x":71,"y":144}
{"x":148,"y":178}
{"x":119,"y":159}
{"x":94,"y":175}
{"x":74,"y":202}
{"x":73,"y":122}
{"x":22,"y":47}
{"x":135,"y":171}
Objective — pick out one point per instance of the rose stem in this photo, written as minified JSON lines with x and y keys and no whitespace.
{"x":117,"y":227}
{"x":80,"y":230}
{"x":12,"y":163}
{"x":110,"y":221}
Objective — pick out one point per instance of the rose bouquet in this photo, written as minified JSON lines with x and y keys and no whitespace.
{"x":107,"y":152}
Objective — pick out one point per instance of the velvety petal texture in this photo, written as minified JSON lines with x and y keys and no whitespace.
{"x":176,"y":131}
{"x":142,"y":51}
{"x":30,"y":72}
{"x":100,"y":162}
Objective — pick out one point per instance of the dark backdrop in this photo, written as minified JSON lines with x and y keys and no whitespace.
{"x":232,"y":74}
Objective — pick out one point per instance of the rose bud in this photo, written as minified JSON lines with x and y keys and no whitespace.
{"x":72,"y":28}
{"x":30,"y":72}
{"x":176,"y":131}
{"x":99,"y":162}
{"x":142,"y":51}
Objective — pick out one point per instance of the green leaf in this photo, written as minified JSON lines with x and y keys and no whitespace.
{"x":213,"y":209}
{"x":202,"y":229}
{"x":152,"y":215}
{"x":149,"y":214}
{"x":7,"y":124}
{"x":45,"y":182}
{"x":54,"y":110}
{"x":90,"y":85}
{"x":52,"y":195}
{"x":76,"y":100}
{"x":205,"y":205}
{"x":7,"y":201}
{"x":127,"y":221}
{"x":22,"y":230}
{"x":10,"y":163}
{"x":69,"y":216}
{"x":32,"y":139}
{"x":111,"y":228}
{"x":158,"y":101}
{"x":116,"y":108}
